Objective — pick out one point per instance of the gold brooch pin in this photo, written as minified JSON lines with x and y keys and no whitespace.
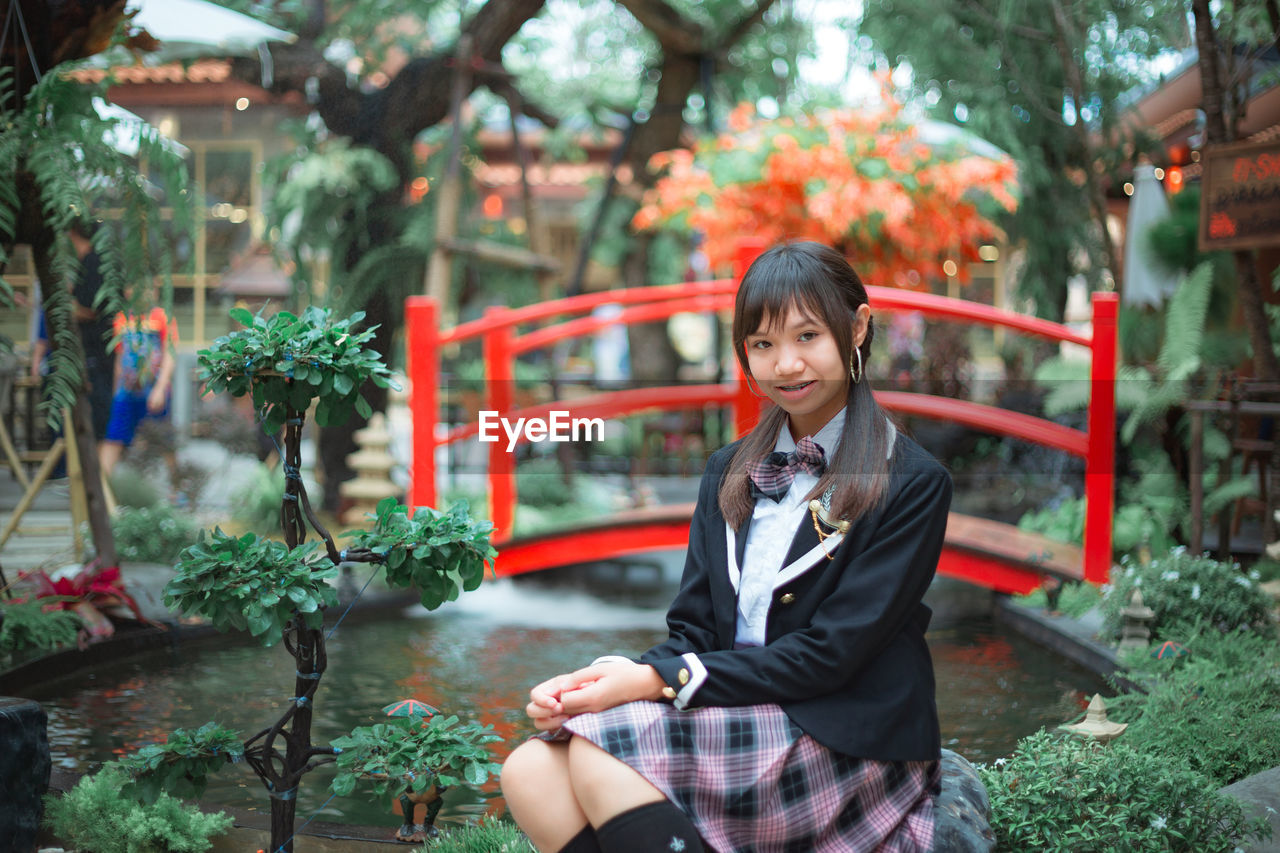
{"x":822,"y":517}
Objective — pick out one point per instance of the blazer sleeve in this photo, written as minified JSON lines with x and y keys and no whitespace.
{"x":690,"y":619}
{"x":877,"y":593}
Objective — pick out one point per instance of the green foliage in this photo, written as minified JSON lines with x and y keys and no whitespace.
{"x":155,"y":534}
{"x":254,"y":584}
{"x":540,"y":483}
{"x":993,"y":68}
{"x":35,"y":625}
{"x":97,"y":817}
{"x":489,"y":836}
{"x":441,"y":554}
{"x":181,"y":765}
{"x":285,"y":361}
{"x":1062,"y":793}
{"x":57,"y":142}
{"x":1183,"y":589}
{"x":1061,"y":523}
{"x":1074,"y":599}
{"x":1213,"y":711}
{"x":413,"y":752}
{"x":1147,"y":515}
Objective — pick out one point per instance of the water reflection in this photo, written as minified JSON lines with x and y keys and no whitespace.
{"x":478,"y":657}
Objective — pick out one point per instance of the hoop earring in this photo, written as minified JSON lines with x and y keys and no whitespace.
{"x":747,"y":378}
{"x":855,"y":375}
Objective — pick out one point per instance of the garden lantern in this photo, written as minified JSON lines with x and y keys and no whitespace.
{"x":1095,"y":724}
{"x":1135,"y":631}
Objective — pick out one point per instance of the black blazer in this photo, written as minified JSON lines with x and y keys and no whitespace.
{"x":845,"y":655}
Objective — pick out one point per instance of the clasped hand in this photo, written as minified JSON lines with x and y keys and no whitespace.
{"x":595,"y":688}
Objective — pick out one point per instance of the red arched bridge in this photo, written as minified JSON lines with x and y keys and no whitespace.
{"x":984,"y":552}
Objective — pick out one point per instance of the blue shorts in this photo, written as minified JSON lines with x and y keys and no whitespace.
{"x":128,"y":409}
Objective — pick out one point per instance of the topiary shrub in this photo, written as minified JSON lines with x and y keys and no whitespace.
{"x":95,"y":817}
{"x":1184,"y":589}
{"x":1069,"y":795}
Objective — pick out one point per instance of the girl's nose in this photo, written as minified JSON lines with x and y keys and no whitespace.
{"x":788,"y":362}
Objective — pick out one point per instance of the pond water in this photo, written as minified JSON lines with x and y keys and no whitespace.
{"x":478,"y":657}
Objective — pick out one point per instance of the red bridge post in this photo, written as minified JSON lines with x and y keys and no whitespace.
{"x":499,"y":365}
{"x":1099,"y":477}
{"x":422,"y":369}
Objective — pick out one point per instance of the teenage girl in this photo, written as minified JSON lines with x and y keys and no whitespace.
{"x":792,"y":707}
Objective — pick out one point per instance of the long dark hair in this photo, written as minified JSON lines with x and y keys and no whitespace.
{"x":818,"y":280}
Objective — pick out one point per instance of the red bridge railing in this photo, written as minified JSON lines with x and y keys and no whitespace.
{"x":544,"y":324}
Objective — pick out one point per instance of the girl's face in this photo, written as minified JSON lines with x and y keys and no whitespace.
{"x":797,"y":363}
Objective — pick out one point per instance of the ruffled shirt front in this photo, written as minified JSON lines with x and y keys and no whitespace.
{"x":773,"y":526}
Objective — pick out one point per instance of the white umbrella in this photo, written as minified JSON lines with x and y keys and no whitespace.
{"x":1145,"y":283}
{"x":189,"y":29}
{"x":204,"y":28}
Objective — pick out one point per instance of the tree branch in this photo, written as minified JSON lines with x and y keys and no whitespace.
{"x":673,"y":31}
{"x":736,"y":32}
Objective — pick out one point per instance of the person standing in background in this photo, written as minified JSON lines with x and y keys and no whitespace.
{"x":143,"y":375}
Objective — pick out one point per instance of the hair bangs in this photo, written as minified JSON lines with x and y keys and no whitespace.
{"x":784,"y":279}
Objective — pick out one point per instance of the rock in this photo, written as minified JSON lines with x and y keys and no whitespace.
{"x":963,"y":809}
{"x":24,"y":772}
{"x":1260,"y":796}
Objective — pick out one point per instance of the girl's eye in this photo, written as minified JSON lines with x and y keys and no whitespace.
{"x":807,"y":336}
{"x":760,"y":345}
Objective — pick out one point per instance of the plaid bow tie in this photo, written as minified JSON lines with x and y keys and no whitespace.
{"x":772,"y":476}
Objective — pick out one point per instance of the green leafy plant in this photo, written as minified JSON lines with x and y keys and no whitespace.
{"x":155,"y":534}
{"x":37,"y":624}
{"x":1067,"y":794}
{"x":280,"y":591}
{"x":181,"y":765}
{"x":1183,"y":588}
{"x":410,"y":752}
{"x":254,"y":584}
{"x":285,"y":361}
{"x":1213,"y":711}
{"x":97,"y":817}
{"x":441,"y":554}
{"x":1074,"y":599}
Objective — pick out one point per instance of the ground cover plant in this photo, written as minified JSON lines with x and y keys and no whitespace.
{"x":280,"y":591}
{"x":96,"y":817}
{"x":1062,"y":793}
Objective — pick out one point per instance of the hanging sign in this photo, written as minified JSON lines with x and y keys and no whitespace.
{"x":1240,"y":196}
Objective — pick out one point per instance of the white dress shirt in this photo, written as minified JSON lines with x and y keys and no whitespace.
{"x":773,"y":526}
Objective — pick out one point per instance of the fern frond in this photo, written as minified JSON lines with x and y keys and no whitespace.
{"x":1163,"y":396}
{"x":1228,"y":493}
{"x":1184,"y":324}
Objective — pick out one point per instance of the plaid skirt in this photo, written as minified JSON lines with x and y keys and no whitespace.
{"x":752,"y":782}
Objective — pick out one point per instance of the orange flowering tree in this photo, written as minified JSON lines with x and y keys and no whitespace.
{"x":860,"y":180}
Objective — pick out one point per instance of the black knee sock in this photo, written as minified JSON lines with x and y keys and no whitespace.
{"x":583,"y":842}
{"x":653,"y":828}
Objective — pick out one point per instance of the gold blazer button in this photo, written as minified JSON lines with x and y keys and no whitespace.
{"x":668,"y":693}
{"x":786,"y":598}
{"x":683,"y":676}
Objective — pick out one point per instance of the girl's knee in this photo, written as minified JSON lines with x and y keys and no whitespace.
{"x":529,"y":766}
